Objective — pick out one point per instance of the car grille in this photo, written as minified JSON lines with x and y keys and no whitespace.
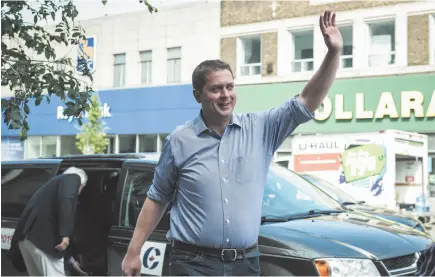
{"x":403,"y":265}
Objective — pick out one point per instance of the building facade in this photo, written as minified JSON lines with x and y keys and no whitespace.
{"x":386,"y":78}
{"x":142,"y":65}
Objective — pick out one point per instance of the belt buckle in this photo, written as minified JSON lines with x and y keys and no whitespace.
{"x":223,"y":254}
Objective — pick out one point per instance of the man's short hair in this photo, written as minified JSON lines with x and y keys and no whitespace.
{"x":200,"y":74}
{"x":78,"y":171}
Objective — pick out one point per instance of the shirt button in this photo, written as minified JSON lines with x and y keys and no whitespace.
{"x":228,"y":240}
{"x":224,"y":179}
{"x":222,"y":161}
{"x":228,"y":221}
{"x":226,"y":200}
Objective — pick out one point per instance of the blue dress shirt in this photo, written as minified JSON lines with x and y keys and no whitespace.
{"x":217,"y":183}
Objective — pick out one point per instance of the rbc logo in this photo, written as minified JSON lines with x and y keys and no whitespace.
{"x":150,"y":258}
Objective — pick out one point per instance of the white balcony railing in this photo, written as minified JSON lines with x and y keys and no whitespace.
{"x":303,"y":65}
{"x":382,"y":59}
{"x":346,"y":61}
{"x":251,"y":69}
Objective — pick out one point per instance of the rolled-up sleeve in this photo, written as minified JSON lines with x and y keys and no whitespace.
{"x":280,"y":122}
{"x":165,"y":176}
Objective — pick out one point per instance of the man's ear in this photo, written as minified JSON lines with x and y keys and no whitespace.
{"x":196,"y":94}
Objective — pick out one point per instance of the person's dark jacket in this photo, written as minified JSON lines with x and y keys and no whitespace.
{"x":48,"y":217}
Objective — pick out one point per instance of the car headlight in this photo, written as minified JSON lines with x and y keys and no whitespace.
{"x":346,"y":267}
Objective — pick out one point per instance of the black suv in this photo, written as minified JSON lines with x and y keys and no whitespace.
{"x":304,"y":231}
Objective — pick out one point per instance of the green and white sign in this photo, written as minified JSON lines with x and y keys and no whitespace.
{"x":363,"y":161}
{"x":402,"y":102}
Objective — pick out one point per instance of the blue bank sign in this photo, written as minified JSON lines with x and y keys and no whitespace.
{"x":105,"y":113}
{"x":150,"y":110}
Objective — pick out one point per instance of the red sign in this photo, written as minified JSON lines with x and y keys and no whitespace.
{"x":316,"y":162}
{"x":409,"y":179}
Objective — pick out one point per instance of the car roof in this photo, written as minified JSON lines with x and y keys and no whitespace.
{"x":146,"y":157}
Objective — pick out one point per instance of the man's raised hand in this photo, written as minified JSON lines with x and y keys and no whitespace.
{"x":330,"y":32}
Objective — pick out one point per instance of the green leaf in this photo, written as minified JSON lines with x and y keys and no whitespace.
{"x":15,"y":115}
{"x":25,"y":124}
{"x":26,"y":109}
{"x":15,"y":125}
{"x":38,"y":101}
{"x":53,"y":15}
{"x":47,"y":53}
{"x":23,"y":134}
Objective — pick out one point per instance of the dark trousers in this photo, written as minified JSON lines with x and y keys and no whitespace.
{"x":185,"y":263}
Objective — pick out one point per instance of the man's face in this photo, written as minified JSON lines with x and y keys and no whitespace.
{"x":218,"y":97}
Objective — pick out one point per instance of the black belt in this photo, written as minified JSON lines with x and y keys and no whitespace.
{"x":227,"y":255}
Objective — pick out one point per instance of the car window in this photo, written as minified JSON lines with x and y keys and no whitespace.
{"x":137,"y":184}
{"x":287,"y":193}
{"x":331,"y":189}
{"x":18,"y":186}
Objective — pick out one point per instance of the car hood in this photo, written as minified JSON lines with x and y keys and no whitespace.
{"x":349,"y":234}
{"x":387,"y":213}
{"x":377,"y":210}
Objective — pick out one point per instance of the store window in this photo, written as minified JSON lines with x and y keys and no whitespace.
{"x":49,"y":146}
{"x":347,"y":52}
{"x":33,"y":147}
{"x":382,"y":44}
{"x":148,"y":143}
{"x":127,"y":143}
{"x":162,"y":141}
{"x":110,"y":148}
{"x":68,"y":146}
{"x":174,"y":65}
{"x":303,"y":42}
{"x":250,"y":55}
{"x":119,"y":70}
{"x":146,"y":65}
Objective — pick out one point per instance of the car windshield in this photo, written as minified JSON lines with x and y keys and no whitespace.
{"x":287,"y":193}
{"x":330,"y":189}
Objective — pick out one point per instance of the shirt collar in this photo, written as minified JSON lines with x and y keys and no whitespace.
{"x":201,"y":127}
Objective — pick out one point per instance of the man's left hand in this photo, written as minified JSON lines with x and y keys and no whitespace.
{"x":63,"y":245}
{"x":330,"y":32}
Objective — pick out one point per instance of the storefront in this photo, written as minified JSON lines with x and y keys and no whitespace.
{"x":136,"y":120}
{"x":139,"y":119}
{"x":404,"y":102}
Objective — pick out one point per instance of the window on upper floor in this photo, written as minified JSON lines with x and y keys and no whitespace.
{"x":382,"y":43}
{"x":119,"y":70}
{"x":347,"y":53}
{"x":146,"y":64}
{"x":174,"y":65}
{"x":250,"y":56}
{"x":303,"y":56}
